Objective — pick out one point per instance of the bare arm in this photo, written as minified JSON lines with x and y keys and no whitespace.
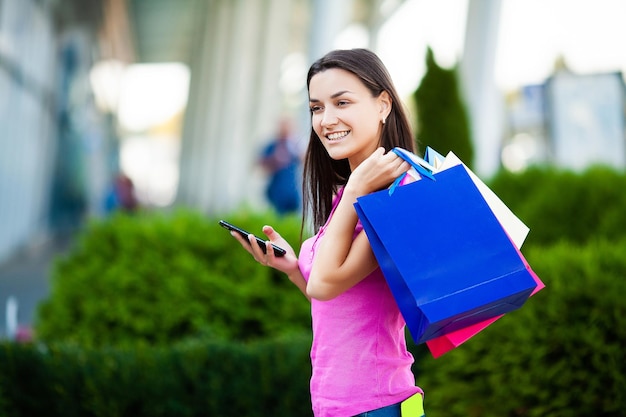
{"x":341,"y":262}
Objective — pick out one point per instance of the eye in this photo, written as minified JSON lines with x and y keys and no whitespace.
{"x":315,"y":109}
{"x":342,"y":103}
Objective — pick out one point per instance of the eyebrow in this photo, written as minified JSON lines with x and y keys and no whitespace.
{"x":337,"y":94}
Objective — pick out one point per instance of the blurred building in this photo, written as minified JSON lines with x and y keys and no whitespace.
{"x":55,"y":145}
{"x":62,"y":69}
{"x":571,"y":120}
{"x":65,"y":66}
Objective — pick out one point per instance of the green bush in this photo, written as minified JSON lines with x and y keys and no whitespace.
{"x":172,"y":279}
{"x":560,"y":355}
{"x":561,"y":205}
{"x":194,"y":378}
{"x":159,"y":278}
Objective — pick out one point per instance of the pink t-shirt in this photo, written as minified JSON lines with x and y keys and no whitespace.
{"x":359,"y":356}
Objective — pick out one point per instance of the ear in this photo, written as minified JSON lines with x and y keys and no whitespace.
{"x":385,"y":102}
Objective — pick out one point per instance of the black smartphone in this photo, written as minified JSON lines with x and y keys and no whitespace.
{"x":278,"y":251}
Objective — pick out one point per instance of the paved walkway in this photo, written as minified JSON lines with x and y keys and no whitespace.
{"x":25,"y":278}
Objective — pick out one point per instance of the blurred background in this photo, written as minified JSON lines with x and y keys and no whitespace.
{"x":166,"y":103}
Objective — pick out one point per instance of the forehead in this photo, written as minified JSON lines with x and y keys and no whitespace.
{"x":331,"y":81}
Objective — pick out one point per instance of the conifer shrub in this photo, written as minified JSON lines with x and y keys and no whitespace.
{"x":442,"y":118}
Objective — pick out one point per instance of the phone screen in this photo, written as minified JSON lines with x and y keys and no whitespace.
{"x":278,"y":251}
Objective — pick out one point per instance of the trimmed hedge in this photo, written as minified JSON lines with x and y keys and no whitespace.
{"x":561,"y":205}
{"x":158,"y":279}
{"x":199,"y":378}
{"x":151,"y":285}
{"x":560,"y":355}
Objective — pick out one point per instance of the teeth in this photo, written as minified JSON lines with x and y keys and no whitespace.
{"x":337,"y":135}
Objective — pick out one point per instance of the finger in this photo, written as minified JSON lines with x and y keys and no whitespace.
{"x":242,"y":241}
{"x":378,"y":153}
{"x":253,"y":248}
{"x":270,"y":232}
{"x":393,"y":163}
{"x":256,"y":249}
{"x":402,"y":168}
{"x":269,"y":253}
{"x":394,"y":160}
{"x":397,"y":157}
{"x":394,"y":155}
{"x":273,"y":235}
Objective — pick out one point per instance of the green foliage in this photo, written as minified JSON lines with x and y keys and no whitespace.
{"x":562,"y":205}
{"x":191,"y":379}
{"x":442,"y":120}
{"x":166,"y":291}
{"x":560,"y":355}
{"x":158,"y":279}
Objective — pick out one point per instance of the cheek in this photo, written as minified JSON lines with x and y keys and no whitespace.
{"x":316,"y":124}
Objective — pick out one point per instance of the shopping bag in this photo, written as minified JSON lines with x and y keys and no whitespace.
{"x":448,"y":261}
{"x":516,"y":229}
{"x":435,"y":162}
{"x":443,"y":344}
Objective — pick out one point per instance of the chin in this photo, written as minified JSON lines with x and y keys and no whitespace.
{"x":337,"y":156}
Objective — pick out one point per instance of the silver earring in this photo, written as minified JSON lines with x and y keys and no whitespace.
{"x":384,"y":119}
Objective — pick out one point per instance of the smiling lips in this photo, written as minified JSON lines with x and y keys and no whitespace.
{"x":337,"y":135}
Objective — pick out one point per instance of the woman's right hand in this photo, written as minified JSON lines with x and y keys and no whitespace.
{"x":287,"y":263}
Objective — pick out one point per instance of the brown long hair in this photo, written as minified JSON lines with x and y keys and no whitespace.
{"x":323,"y":175}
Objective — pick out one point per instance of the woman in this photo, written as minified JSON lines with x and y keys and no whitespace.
{"x":360,"y":362}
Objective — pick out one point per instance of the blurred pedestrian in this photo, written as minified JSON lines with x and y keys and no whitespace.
{"x":282,"y":159}
{"x":121,"y":195}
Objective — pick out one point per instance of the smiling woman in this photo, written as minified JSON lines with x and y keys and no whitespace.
{"x":360,"y":361}
{"x":346,"y":116}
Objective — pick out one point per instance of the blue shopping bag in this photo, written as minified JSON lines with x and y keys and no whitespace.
{"x":447,"y":259}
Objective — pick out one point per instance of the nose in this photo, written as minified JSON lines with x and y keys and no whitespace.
{"x":328,"y":118}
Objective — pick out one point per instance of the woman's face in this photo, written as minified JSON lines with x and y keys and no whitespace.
{"x":345,"y":116}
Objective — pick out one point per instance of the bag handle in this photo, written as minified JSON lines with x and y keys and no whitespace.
{"x":420,"y":165}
